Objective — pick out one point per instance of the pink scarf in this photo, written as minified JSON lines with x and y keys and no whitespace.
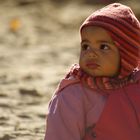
{"x":77,"y":74}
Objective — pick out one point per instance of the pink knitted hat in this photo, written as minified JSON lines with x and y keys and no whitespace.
{"x":124,"y":28}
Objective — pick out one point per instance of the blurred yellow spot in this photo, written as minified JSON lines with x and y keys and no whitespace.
{"x":15,"y":25}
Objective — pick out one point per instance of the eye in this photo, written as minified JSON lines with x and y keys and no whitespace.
{"x":104,"y":47}
{"x":85,"y":47}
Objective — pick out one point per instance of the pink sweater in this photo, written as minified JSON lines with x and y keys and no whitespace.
{"x":75,"y":108}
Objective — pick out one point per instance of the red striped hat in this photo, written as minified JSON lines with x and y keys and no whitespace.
{"x":124,"y":28}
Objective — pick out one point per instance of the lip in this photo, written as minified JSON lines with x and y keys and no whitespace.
{"x":92,"y":65}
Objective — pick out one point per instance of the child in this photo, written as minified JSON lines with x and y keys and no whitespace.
{"x":100,"y":98}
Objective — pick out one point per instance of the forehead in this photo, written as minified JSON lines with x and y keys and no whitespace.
{"x":96,"y":33}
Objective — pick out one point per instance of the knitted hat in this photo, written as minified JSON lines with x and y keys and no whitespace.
{"x":124,"y":28}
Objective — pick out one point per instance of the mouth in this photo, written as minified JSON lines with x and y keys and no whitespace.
{"x":92,"y":65}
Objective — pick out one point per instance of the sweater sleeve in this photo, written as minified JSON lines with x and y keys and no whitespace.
{"x":65,"y":120}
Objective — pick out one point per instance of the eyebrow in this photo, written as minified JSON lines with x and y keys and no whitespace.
{"x":98,"y":41}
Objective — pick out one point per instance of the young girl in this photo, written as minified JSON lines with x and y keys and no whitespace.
{"x":100,"y":97}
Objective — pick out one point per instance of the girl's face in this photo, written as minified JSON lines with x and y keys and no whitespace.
{"x":99,"y":55}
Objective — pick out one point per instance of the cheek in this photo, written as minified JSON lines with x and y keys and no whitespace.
{"x":81,"y":60}
{"x":110,"y":63}
{"x":83,"y":56}
{"x":112,"y":68}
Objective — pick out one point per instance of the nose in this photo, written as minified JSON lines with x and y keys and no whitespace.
{"x":93,"y":54}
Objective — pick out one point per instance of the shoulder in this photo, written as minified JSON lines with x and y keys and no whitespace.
{"x":70,"y":91}
{"x":76,"y":92}
{"x":76,"y":101}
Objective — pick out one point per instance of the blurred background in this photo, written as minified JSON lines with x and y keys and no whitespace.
{"x":39,"y":41}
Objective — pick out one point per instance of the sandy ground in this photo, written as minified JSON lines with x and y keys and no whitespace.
{"x":38,"y":43}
